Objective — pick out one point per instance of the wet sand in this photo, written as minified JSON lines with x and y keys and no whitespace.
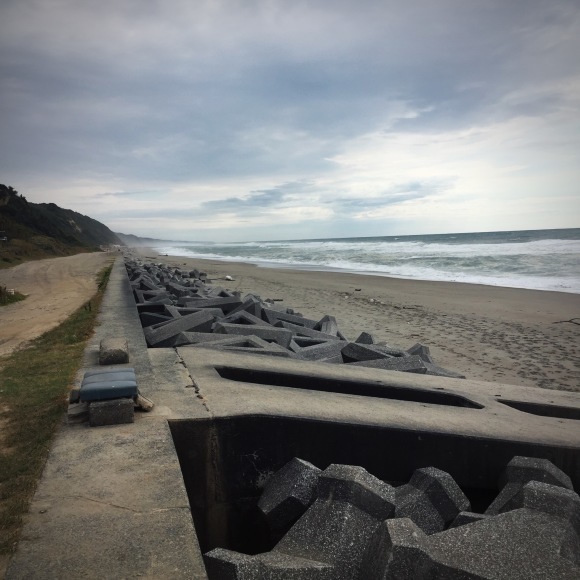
{"x":484,"y":332}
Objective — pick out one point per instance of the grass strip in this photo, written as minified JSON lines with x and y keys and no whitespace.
{"x":34,"y":384}
{"x":9,"y":297}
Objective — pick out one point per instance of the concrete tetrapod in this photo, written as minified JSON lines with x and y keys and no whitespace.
{"x":328,"y":541}
{"x":289,"y":493}
{"x":431,"y":499}
{"x":356,"y":530}
{"x":523,"y":544}
{"x":158,"y":289}
{"x":518,"y":472}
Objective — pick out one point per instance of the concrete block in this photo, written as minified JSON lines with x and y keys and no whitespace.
{"x":190,"y":300}
{"x":325,"y":350}
{"x":328,"y":325}
{"x":251,"y":305}
{"x":365,"y":338}
{"x":464,"y":518}
{"x":399,"y":550}
{"x":150,"y":318}
{"x":524,"y":469}
{"x":153,"y":308}
{"x":136,"y":276}
{"x":272,"y":350}
{"x":187,"y":338}
{"x":431,"y":499}
{"x":160,"y":301}
{"x":245,"y":344}
{"x":173,"y":312}
{"x":520,"y":545}
{"x":356,"y":486}
{"x":553,"y":500}
{"x":151,"y":295}
{"x":409,"y":364}
{"x":299,"y":342}
{"x":225,"y":304}
{"x":355,"y":352}
{"x":164,"y":335}
{"x":269,"y":333}
{"x":518,"y":472}
{"x":243,"y":317}
{"x":276,"y":565}
{"x":224,"y":564}
{"x":219,"y":292}
{"x":339,"y":524}
{"x":178,"y":290}
{"x":113,"y":412}
{"x":251,"y":295}
{"x":289,"y":493}
{"x":384,"y":348}
{"x":304,"y":331}
{"x":422,"y":351}
{"x":272,"y":316}
{"x":147,"y":283}
{"x":185,"y":310}
{"x":113,"y":351}
{"x":221,"y":564}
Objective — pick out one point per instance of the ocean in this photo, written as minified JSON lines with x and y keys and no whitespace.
{"x":537,"y":259}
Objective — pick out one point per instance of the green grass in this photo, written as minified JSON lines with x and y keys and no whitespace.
{"x":34,"y":383}
{"x":9,"y":298}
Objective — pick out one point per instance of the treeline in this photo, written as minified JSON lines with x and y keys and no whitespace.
{"x":44,"y":229}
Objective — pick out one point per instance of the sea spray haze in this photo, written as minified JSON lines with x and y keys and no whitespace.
{"x":538,"y":259}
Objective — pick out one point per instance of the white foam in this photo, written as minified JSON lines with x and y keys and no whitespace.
{"x":541,"y":264}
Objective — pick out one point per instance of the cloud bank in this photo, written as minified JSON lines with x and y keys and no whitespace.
{"x":239,"y":120}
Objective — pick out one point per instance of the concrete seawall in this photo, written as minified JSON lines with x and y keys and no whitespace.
{"x":121,"y":501}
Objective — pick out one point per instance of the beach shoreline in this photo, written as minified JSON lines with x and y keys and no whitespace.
{"x":492,"y":333}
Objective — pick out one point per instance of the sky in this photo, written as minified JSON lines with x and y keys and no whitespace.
{"x":238,"y":120}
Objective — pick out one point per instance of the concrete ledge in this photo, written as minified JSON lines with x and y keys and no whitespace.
{"x":111,"y":502}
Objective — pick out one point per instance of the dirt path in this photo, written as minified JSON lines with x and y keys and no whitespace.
{"x":55,"y":288}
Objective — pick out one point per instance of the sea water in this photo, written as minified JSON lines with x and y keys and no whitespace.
{"x":538,"y":259}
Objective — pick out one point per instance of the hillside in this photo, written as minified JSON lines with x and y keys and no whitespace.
{"x":44,"y":230}
{"x":132,"y":240}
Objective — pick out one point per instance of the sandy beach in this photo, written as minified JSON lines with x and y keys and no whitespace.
{"x":489,"y":333}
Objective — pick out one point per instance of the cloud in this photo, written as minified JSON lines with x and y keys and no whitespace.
{"x":218,"y":106}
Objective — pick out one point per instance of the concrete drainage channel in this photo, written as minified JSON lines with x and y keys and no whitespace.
{"x":458,"y":479}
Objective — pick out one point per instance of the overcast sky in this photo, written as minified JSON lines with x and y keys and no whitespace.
{"x":278,"y":119}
